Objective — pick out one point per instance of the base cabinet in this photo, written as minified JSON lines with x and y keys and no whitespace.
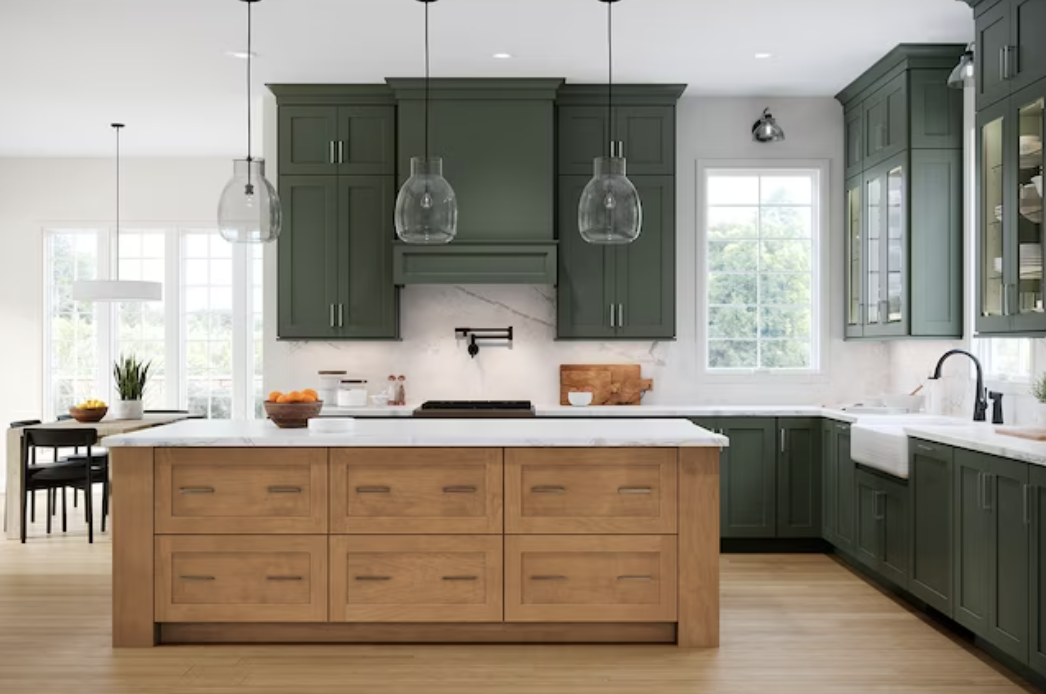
{"x":839,"y":484}
{"x":930,"y":486}
{"x":882,"y":525}
{"x":1037,"y":564}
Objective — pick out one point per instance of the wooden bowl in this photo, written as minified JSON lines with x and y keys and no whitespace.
{"x":292,"y":415}
{"x":92,"y":415}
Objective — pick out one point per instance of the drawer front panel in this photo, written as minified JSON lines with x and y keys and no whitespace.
{"x":233,"y":491}
{"x":221,"y":578}
{"x":416,"y":578}
{"x":576,"y":491}
{"x":590,"y":579}
{"x":416,"y":491}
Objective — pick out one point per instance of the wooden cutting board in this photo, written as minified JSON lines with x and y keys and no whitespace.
{"x":1023,"y":432}
{"x":610,"y":384}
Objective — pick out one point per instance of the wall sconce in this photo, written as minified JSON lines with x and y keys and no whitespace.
{"x":766,"y":129}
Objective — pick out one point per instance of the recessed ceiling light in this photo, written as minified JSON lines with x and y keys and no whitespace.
{"x":502,"y":56}
{"x":763,"y":56}
{"x":241,"y":54}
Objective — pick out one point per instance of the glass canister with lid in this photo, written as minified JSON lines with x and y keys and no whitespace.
{"x":352,"y":392}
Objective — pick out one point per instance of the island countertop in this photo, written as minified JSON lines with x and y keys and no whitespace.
{"x":505,"y":433}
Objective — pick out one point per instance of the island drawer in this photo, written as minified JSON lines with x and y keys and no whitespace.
{"x":416,"y":578}
{"x":416,"y":491}
{"x":241,"y":490}
{"x":590,"y":490}
{"x":241,"y":578}
{"x":587,"y":578}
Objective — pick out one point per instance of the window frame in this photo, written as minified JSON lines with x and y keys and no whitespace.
{"x":244,"y":370}
{"x":820,"y":273}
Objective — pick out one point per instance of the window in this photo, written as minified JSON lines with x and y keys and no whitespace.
{"x":204,"y":339}
{"x":1005,"y":358}
{"x":761,"y":232}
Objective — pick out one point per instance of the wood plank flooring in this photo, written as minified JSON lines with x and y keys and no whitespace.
{"x":800,"y":624}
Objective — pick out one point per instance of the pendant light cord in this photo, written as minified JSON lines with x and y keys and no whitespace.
{"x":249,"y":159}
{"x":116,"y":240}
{"x":610,"y":74}
{"x":427,"y":79}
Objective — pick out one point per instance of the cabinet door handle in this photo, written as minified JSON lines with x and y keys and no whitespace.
{"x":278,"y":489}
{"x":196,"y":490}
{"x":924,"y":447}
{"x":621,"y":148}
{"x":460,"y":489}
{"x":332,"y":315}
{"x":842,"y":427}
{"x":612,"y":316}
{"x":635,"y":578}
{"x":373,"y":578}
{"x":197,"y":578}
{"x":1027,"y":504}
{"x":341,"y":315}
{"x":284,"y":578}
{"x":548,"y":489}
{"x":634,"y":490}
{"x":620,"y":315}
{"x":341,"y":152}
{"x":784,"y":440}
{"x":989,"y":489}
{"x":548,"y":578}
{"x":373,"y":490}
{"x":461,"y":578}
{"x":613,"y":147}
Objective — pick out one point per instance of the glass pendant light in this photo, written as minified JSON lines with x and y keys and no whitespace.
{"x":101,"y":291}
{"x":610,"y":211}
{"x":426,"y":207}
{"x":963,"y":72}
{"x":249,"y":210}
{"x":766,"y":129}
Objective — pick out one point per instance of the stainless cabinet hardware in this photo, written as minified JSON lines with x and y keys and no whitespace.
{"x":784,"y":440}
{"x":373,"y":490}
{"x":332,"y":315}
{"x":197,"y":490}
{"x":341,"y":315}
{"x":924,"y":447}
{"x":612,"y":325}
{"x":284,"y":578}
{"x":341,"y":151}
{"x":197,"y":578}
{"x":1027,"y":504}
{"x":634,"y":490}
{"x":621,"y":148}
{"x":989,"y":491}
{"x":548,"y":489}
{"x":332,"y":152}
{"x":842,"y":427}
{"x":461,"y":578}
{"x":548,"y":578}
{"x":278,"y":489}
{"x":620,"y":315}
{"x":613,"y":146}
{"x":460,"y":489}
{"x":635,"y":578}
{"x":373,"y":578}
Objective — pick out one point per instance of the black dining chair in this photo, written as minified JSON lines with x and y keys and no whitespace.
{"x":78,"y":472}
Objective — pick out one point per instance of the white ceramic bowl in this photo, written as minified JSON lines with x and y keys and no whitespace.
{"x":1037,"y":180}
{"x":912,"y":403}
{"x":580,"y":399}
{"x":379,"y":400}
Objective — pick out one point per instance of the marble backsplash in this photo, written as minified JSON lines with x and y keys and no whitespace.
{"x":437,"y":365}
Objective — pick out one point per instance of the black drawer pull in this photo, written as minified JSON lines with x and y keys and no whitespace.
{"x":373,"y":490}
{"x":197,"y":490}
{"x":197,"y":578}
{"x":548,"y":489}
{"x":461,"y":578}
{"x":460,"y":489}
{"x":374,"y":578}
{"x":277,"y":489}
{"x":284,"y":578}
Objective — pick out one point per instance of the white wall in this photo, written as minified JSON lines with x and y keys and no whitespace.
{"x":438,"y":367}
{"x":39,"y":192}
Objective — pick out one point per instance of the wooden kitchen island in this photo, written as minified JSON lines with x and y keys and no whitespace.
{"x":417,"y":531}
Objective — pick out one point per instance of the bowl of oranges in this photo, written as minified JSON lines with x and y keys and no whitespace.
{"x":89,"y":411}
{"x":293,"y":410}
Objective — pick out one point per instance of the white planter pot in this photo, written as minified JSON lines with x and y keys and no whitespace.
{"x":127,"y":409}
{"x":1039,"y":414}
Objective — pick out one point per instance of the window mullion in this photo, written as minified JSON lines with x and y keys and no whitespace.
{"x":173,"y":335}
{"x":240,"y":364}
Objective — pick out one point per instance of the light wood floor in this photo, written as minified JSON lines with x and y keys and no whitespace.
{"x":799,"y":624}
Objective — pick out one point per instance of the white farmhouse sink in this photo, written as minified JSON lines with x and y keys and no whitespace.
{"x":880,"y":442}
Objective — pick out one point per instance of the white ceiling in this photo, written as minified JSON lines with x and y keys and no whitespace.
{"x":70,"y":67}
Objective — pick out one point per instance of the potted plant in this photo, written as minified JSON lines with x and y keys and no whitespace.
{"x":131,"y":376}
{"x":1038,"y":391}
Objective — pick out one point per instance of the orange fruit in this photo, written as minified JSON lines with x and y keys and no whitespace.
{"x":274,"y":396}
{"x":308,"y":397}
{"x":310,"y":391}
{"x":294,"y":396}
{"x":284,"y":398}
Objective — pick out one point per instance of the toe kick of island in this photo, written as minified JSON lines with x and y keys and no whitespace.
{"x":415,"y":545}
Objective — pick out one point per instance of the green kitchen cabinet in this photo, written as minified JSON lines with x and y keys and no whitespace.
{"x":335,"y":258}
{"x":1009,"y":223}
{"x":748,"y":478}
{"x":1009,"y":533}
{"x":972,"y":548}
{"x":1036,"y":513}
{"x":799,"y":478}
{"x":1010,"y":53}
{"x":930,"y":484}
{"x":839,"y":488}
{"x":881,"y":535}
{"x":854,"y":250}
{"x":347,"y":140}
{"x":623,"y":292}
{"x":993,"y":28}
{"x":644,"y":135}
{"x":854,"y":139}
{"x":885,"y":121}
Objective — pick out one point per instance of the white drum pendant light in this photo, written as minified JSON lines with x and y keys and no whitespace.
{"x":117,"y":290}
{"x":610,"y":212}
{"x":426,"y":207}
{"x":249,"y":210}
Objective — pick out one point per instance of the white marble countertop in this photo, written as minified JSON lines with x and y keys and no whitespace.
{"x":982,"y":437}
{"x":670,"y":433}
{"x":627,"y":411}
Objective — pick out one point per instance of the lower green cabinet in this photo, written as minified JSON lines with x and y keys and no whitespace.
{"x":930,"y":488}
{"x":881,"y":536}
{"x":971,"y":543}
{"x":1037,"y":563}
{"x":799,"y":478}
{"x":839,"y":487}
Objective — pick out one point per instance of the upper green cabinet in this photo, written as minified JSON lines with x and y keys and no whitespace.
{"x":1010,"y":52}
{"x":337,"y":140}
{"x":903,"y":205}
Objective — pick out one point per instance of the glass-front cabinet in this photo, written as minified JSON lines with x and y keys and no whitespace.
{"x":1010,"y":215}
{"x":854,"y":254}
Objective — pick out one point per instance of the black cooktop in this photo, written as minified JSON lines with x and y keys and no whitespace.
{"x":475,"y":408}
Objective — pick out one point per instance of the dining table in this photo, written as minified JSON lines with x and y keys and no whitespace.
{"x":105,"y":427}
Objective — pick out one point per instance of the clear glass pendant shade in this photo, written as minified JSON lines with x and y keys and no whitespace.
{"x":249,"y":210}
{"x":610,"y":211}
{"x":426,"y":207}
